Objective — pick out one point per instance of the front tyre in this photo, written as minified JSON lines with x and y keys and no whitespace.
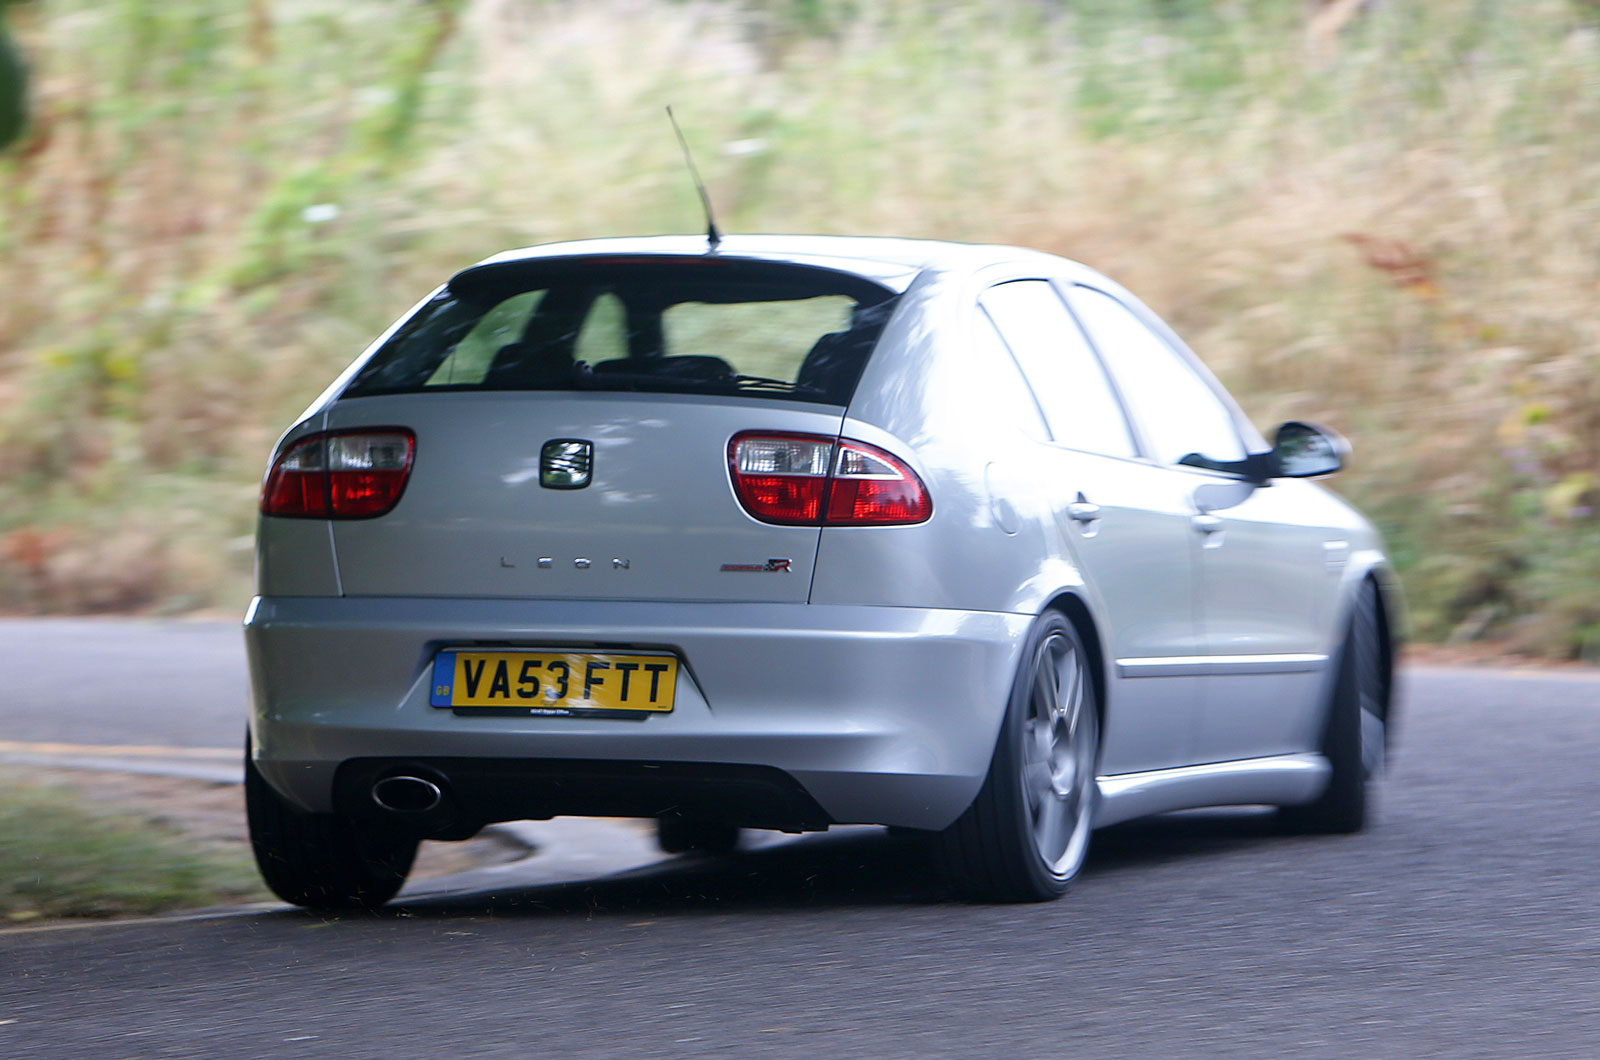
{"x":1355,"y":733}
{"x":321,"y":860}
{"x":1026,"y":835}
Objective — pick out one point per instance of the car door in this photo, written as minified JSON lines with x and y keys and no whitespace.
{"x":1262,"y":573}
{"x":1125,"y":522}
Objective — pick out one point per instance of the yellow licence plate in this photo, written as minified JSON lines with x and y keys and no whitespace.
{"x":560,"y":683}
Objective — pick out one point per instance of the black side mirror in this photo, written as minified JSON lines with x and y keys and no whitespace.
{"x":1302,"y":450}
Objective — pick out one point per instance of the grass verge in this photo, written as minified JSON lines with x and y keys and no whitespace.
{"x":106,"y":844}
{"x":65,"y":856}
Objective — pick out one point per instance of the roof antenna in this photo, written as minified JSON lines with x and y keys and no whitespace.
{"x":712,"y":235}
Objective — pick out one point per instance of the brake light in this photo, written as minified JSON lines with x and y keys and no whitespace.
{"x":781,"y":478}
{"x":872,"y":488}
{"x":298,"y":482}
{"x":814,"y":480}
{"x":340,"y":475}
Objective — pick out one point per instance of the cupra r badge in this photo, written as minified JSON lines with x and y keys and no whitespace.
{"x":771,"y":566}
{"x":566,"y":463}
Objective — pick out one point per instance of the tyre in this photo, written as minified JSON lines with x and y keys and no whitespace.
{"x":693,"y":835}
{"x":321,"y":860}
{"x":1026,"y":835}
{"x":1354,"y":735}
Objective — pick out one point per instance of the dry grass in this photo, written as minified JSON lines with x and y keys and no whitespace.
{"x":1386,"y":221}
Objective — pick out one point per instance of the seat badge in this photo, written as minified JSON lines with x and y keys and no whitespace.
{"x":566,"y":464}
{"x":771,"y":566}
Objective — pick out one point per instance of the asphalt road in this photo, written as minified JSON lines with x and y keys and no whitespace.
{"x":1463,"y":925}
{"x":116,"y":681}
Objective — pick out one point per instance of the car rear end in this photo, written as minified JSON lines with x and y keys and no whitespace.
{"x":549,"y":547}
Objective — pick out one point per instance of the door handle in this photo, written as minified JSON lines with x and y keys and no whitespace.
{"x":1082,"y":512}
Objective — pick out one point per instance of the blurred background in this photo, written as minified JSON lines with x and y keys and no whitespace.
{"x":1381,"y":216}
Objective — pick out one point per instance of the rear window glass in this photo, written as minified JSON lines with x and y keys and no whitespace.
{"x":719,"y":326}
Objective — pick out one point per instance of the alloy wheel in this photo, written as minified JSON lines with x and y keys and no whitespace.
{"x":1060,"y":736}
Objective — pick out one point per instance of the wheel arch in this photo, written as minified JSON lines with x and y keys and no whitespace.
{"x":1386,"y":591}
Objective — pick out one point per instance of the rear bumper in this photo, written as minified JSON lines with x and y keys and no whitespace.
{"x":878,"y":715}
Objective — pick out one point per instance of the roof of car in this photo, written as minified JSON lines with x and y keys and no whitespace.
{"x":889,"y":261}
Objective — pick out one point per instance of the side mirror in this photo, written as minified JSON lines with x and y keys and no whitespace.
{"x":1302,"y":450}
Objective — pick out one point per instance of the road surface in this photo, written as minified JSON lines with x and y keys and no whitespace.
{"x":1463,"y":925}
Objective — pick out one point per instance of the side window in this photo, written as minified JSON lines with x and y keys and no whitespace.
{"x":1066,"y":377}
{"x":1178,"y":410}
{"x":1004,"y":391}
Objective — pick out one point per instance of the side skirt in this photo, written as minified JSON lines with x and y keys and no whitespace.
{"x":1281,"y":780}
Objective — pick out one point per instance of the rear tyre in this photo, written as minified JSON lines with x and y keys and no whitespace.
{"x":321,"y":860}
{"x":1026,"y":835}
{"x":1354,"y":736}
{"x":693,"y":835}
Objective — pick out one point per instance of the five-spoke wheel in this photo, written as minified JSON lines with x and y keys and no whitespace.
{"x":1060,"y":738}
{"x":1026,"y":834}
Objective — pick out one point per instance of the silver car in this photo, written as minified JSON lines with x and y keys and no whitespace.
{"x":787,"y":532}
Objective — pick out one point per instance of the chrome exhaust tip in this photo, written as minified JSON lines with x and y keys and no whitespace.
{"x":407,"y":794}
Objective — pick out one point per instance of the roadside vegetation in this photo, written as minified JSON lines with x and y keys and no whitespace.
{"x":1382,"y":217}
{"x":66,"y":856}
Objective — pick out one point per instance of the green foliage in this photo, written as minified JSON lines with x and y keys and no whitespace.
{"x":1387,"y":225}
{"x":13,"y":88}
{"x":282,"y":237}
{"x":62,"y":859}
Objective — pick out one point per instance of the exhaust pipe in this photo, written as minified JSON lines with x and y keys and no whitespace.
{"x":407,"y":794}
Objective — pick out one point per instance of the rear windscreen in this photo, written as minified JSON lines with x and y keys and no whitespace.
{"x":695,"y":325}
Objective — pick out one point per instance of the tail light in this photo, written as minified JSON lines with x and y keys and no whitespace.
{"x":340,"y":474}
{"x":814,"y":480}
{"x":870,"y":487}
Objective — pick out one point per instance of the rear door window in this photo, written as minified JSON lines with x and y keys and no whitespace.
{"x":716,"y":326}
{"x":1180,"y":413}
{"x":1066,"y":377}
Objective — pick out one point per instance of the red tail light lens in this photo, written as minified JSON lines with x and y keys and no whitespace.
{"x":781,"y":478}
{"x":367,"y":472}
{"x":298,"y":482}
{"x":872,"y":488}
{"x":814,"y":480}
{"x":340,"y":475}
